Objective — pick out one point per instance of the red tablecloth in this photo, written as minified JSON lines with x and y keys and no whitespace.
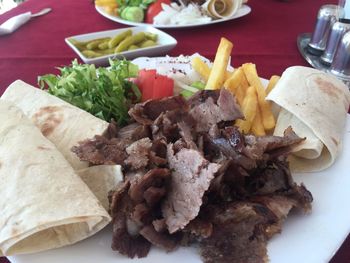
{"x":266,"y":37}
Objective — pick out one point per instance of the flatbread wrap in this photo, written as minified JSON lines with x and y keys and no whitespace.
{"x":62,"y":123}
{"x":222,"y":8}
{"x":101,"y":179}
{"x":44,"y":204}
{"x":315,"y":104}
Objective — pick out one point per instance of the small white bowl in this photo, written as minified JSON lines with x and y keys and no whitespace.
{"x":165,"y":43}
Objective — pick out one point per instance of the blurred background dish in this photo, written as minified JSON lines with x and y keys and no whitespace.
{"x":98,"y":47}
{"x":243,"y":11}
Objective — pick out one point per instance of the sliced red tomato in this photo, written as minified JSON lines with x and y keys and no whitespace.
{"x":153,"y":85}
{"x":163,"y":87}
{"x":145,"y":82}
{"x":154,"y":9}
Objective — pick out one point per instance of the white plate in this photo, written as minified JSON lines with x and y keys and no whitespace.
{"x":312,"y":238}
{"x":165,"y":43}
{"x":244,"y":10}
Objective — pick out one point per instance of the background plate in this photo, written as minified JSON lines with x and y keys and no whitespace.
{"x":165,"y":44}
{"x":244,"y":10}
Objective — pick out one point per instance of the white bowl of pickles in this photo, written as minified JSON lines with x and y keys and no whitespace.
{"x":131,"y":42}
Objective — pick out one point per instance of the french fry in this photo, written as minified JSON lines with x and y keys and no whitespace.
{"x":228,"y":74}
{"x":240,"y":94}
{"x":265,"y":107}
{"x":242,"y":89}
{"x":245,"y":82}
{"x":257,"y":126}
{"x":204,"y":70}
{"x":249,"y":109}
{"x":217,"y":74}
{"x":272,"y":83}
{"x":233,"y":82}
{"x":201,"y":67}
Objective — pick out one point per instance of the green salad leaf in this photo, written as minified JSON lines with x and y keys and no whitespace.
{"x":106,"y":93}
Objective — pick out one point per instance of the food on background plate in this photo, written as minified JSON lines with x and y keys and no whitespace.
{"x":154,"y":9}
{"x":44,"y":204}
{"x":180,"y":14}
{"x":110,"y":6}
{"x":315,"y":104}
{"x":133,"y":10}
{"x":192,"y":177}
{"x":124,"y":41}
{"x":167,"y":12}
{"x":221,"y":8}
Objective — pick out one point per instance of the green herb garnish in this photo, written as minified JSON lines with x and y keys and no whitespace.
{"x":106,"y":93}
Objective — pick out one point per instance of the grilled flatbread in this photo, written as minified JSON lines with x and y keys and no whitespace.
{"x":315,"y":104}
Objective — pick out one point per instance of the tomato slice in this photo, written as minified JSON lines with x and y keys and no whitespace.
{"x":154,"y":9}
{"x":153,"y":85}
{"x":163,"y":87}
{"x":145,"y":82}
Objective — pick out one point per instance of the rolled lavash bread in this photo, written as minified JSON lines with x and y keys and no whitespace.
{"x":65,"y":125}
{"x":62,"y":123}
{"x":44,"y":204}
{"x":315,"y":104}
{"x":221,"y":8}
{"x":101,"y":179}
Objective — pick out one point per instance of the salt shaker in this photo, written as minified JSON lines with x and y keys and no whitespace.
{"x":338,"y":30}
{"x":341,"y":63}
{"x":327,"y":16}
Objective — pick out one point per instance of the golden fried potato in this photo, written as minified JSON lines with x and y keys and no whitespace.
{"x":228,"y":74}
{"x":257,"y":126}
{"x":234,"y":81}
{"x":249,"y":110}
{"x":265,"y":106}
{"x":204,"y":70}
{"x":218,"y":72}
{"x":242,"y":89}
{"x":272,"y":83}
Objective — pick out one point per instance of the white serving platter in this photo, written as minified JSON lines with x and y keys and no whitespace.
{"x":165,"y":43}
{"x":309,"y":238}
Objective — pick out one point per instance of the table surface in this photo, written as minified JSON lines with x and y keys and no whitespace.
{"x":266,"y":37}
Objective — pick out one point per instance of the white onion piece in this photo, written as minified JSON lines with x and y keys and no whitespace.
{"x":175,"y":14}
